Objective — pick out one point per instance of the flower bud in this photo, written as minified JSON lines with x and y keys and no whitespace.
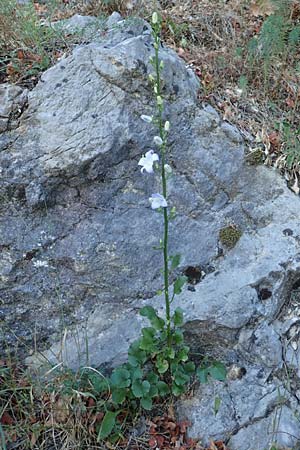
{"x":159,"y":100}
{"x":158,"y":140}
{"x":151,"y":78}
{"x":147,"y":119}
{"x":167,"y":126}
{"x":155,"y":89}
{"x":156,"y":46}
{"x":161,"y":65}
{"x":154,"y":18}
{"x":168,"y":169}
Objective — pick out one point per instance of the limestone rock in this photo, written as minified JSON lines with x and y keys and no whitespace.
{"x":77,"y":231}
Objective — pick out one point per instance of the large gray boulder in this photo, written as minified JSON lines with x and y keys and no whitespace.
{"x":77,"y":234}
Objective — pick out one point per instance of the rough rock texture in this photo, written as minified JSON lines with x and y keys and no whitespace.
{"x":77,"y":235}
{"x":12,"y":102}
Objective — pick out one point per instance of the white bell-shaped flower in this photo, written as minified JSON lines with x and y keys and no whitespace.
{"x":158,"y":201}
{"x":147,"y":161}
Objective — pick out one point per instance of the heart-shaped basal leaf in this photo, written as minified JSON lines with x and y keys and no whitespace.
{"x":180,"y":377}
{"x":119,"y":395}
{"x":163,"y":388}
{"x":140,"y":388}
{"x":120,"y":378}
{"x":148,"y":341}
{"x":136,"y":356}
{"x":218,"y":371}
{"x":146,"y":403}
{"x":177,"y":390}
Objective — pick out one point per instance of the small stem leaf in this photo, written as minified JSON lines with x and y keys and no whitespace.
{"x":179,"y":283}
{"x":175,"y":261}
{"x":178,"y":337}
{"x":178,"y":317}
{"x":107,"y":425}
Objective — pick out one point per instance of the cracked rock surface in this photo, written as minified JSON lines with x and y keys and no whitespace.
{"x":77,"y":235}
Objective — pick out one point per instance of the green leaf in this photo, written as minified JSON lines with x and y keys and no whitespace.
{"x":169,"y":353}
{"x":120,"y":378}
{"x":148,"y":341}
{"x":162,"y":365}
{"x":181,"y":378}
{"x":189,"y":368}
{"x":183,"y":354}
{"x":217,"y":404}
{"x":107,"y":425}
{"x":146,"y":403}
{"x":149,"y":312}
{"x":177,"y":390}
{"x":163,"y":388}
{"x":152,"y":378}
{"x":136,"y":356}
{"x":99,"y":383}
{"x":218,"y":371}
{"x":179,"y":283}
{"x":178,"y":317}
{"x":140,"y":388}
{"x":118,"y":395}
{"x":137,"y":374}
{"x":153,"y":392}
{"x":175,"y":261}
{"x":158,"y":323}
{"x":202,"y":374}
{"x":178,"y":337}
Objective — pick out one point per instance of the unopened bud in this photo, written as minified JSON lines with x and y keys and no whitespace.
{"x":159,"y":100}
{"x":158,"y":140}
{"x":167,"y":126}
{"x":154,"y":18}
{"x":147,"y":119}
{"x":168,"y":169}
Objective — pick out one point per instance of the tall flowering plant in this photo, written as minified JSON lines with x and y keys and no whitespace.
{"x":159,"y":201}
{"x":158,"y":362}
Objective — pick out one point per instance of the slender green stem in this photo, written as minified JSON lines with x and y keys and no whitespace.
{"x":163,"y":136}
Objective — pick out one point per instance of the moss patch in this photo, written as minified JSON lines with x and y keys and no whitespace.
{"x":230,"y":235}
